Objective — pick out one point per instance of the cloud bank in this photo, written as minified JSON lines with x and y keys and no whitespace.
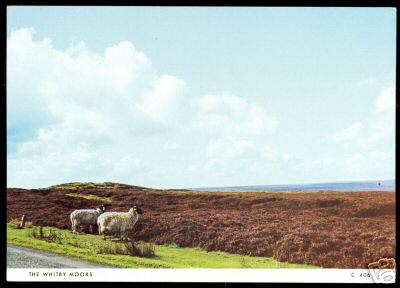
{"x":76,"y":115}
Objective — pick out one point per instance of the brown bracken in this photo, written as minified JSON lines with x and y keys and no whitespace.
{"x":332,"y":230}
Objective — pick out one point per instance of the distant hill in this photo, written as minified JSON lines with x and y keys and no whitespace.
{"x":378,"y":185}
{"x":92,"y":185}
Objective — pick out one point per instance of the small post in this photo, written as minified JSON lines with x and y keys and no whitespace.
{"x":22,"y":224}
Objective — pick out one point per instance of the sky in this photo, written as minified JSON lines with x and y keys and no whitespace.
{"x":196,"y":96}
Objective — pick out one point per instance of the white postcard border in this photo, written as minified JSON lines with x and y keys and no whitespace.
{"x":196,"y":275}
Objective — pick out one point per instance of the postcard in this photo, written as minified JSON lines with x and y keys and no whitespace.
{"x":201,"y":144}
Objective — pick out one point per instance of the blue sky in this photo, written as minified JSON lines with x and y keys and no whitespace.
{"x":190,"y":97}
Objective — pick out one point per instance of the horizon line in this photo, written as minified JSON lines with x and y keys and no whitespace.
{"x":226,"y":186}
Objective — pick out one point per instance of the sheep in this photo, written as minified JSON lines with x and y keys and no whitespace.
{"x":86,"y":217}
{"x":118,"y":223}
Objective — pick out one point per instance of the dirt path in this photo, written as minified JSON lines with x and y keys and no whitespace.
{"x":22,"y":257}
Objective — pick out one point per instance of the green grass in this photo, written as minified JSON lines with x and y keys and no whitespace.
{"x":167,"y":256}
{"x":89,"y":197}
{"x":85,"y":185}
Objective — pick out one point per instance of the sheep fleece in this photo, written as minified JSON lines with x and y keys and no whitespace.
{"x":85,"y":216}
{"x":116,"y":222}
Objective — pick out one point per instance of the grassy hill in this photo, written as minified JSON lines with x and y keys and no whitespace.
{"x":92,"y":185}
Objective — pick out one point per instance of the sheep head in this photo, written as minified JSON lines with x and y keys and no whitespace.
{"x":136,"y":209}
{"x":101,"y":209}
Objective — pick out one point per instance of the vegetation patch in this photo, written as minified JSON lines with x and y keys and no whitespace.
{"x":132,"y":248}
{"x":15,"y":223}
{"x":51,"y":235}
{"x":89,"y":185}
{"x":112,"y":252}
{"x":327,"y":229}
{"x":89,"y":197}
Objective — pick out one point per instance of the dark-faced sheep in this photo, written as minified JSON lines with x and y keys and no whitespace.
{"x":118,"y":223}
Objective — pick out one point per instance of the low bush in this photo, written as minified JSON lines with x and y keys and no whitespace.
{"x":137,"y":249}
{"x":140,"y":249}
{"x":110,"y":248}
{"x":50,"y":236}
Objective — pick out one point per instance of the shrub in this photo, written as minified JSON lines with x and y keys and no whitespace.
{"x":37,"y":233}
{"x":110,"y":248}
{"x":131,"y":248}
{"x":51,"y":236}
{"x":34,"y":233}
{"x":140,"y":249}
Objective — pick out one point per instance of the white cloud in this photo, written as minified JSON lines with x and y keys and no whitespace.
{"x":229,"y":114}
{"x":387,"y":99}
{"x":171,"y":146}
{"x":76,"y":115}
{"x":380,"y":125}
{"x":350,"y":133}
{"x":383,"y":122}
{"x":164,"y":101}
{"x":286,"y":157}
{"x":370,"y":144}
{"x":215,"y":163}
{"x":380,"y":163}
{"x":232,"y":148}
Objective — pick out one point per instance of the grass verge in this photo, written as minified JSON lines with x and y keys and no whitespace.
{"x":86,"y":247}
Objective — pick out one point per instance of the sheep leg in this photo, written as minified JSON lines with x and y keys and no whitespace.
{"x":124,"y":237}
{"x":90,"y":228}
{"x":78,"y":227}
{"x":74,"y":226}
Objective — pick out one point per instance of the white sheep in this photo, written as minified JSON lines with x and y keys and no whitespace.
{"x":118,"y":223}
{"x":86,"y":217}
